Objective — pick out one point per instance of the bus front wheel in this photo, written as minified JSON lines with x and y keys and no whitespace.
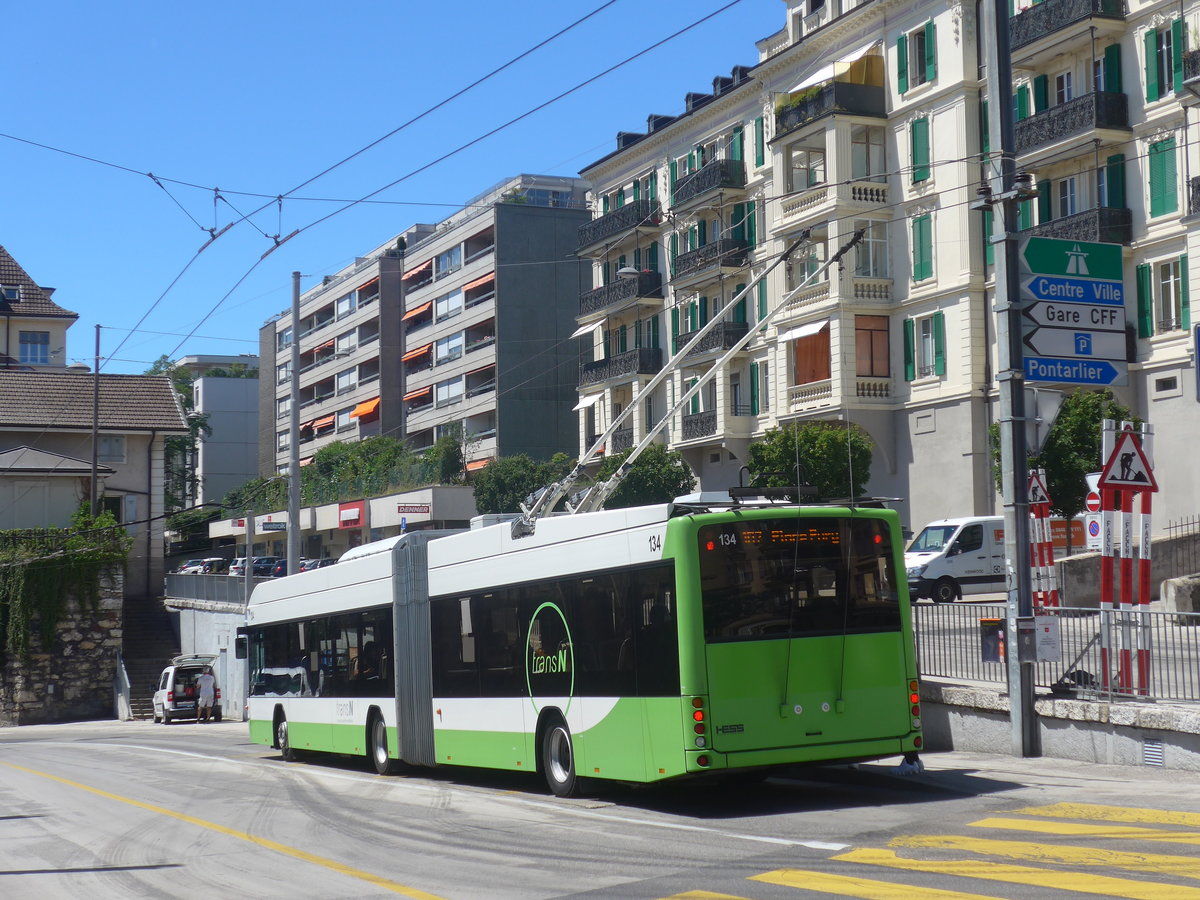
{"x":558,"y":759}
{"x":384,"y":764}
{"x":281,"y":739}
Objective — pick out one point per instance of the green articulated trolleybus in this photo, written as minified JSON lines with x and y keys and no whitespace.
{"x":637,"y":645}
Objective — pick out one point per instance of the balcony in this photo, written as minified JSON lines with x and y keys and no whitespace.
{"x":873,"y":387}
{"x":708,"y":261}
{"x":646,"y":214}
{"x":622,"y":440}
{"x":1194,"y":196}
{"x":717,"y":175}
{"x":826,"y":201}
{"x":699,"y":425}
{"x":642,"y":361}
{"x":723,"y":337}
{"x":1191,"y":78}
{"x":827,"y":99}
{"x":1106,"y":224}
{"x":1051,"y":18}
{"x":804,"y":396}
{"x":1081,"y":117}
{"x":622,"y":292}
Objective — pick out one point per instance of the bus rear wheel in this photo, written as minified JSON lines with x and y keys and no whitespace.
{"x":558,"y":760}
{"x":384,"y":764}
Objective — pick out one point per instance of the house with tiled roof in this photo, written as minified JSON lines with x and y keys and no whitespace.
{"x":61,"y":428}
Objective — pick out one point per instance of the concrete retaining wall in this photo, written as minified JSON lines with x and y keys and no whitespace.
{"x":1079,"y":575}
{"x":1132,"y":734}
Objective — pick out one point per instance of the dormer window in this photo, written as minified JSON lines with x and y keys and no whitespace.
{"x":11,"y":292}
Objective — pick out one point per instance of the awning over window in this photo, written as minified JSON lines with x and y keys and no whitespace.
{"x":418,"y":393}
{"x":366,"y":408}
{"x":323,"y":422}
{"x":370,"y":289}
{"x":413,"y":354}
{"x":587,"y":401}
{"x":491,"y":365}
{"x":304,"y":426}
{"x":584,"y":329}
{"x":417,"y":310}
{"x":325,"y":346}
{"x":480,"y":282}
{"x":423,"y":267}
{"x":476,"y":464}
{"x":826,"y":72}
{"x":806,"y":330}
{"x":307,"y":461}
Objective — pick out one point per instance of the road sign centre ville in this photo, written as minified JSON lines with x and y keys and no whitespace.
{"x":1073,"y":299}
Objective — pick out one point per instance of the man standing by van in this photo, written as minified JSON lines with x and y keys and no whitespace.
{"x":207,"y":686}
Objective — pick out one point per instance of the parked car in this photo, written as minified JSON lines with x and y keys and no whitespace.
{"x":264,"y":564}
{"x":216,"y":565}
{"x":192,"y":567}
{"x":175,"y":692}
{"x":238,"y":566}
{"x":318,"y":564}
{"x":279,"y":569}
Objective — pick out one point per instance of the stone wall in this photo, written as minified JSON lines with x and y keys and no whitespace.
{"x":73,"y":678}
{"x":1170,"y":557}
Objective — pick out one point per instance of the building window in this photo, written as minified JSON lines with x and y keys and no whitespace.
{"x":283,"y":339}
{"x":922,"y":247}
{"x":1162,"y":297}
{"x":448,"y":429}
{"x":346,"y":304}
{"x":1066,"y":197}
{"x":1163,"y":195}
{"x":871,"y":254}
{"x":867,"y":158}
{"x":347,"y":380}
{"x":35,"y":347}
{"x":448,"y":348}
{"x":283,"y":441}
{"x":448,"y":305}
{"x":871,"y":346}
{"x":283,"y":373}
{"x":807,"y":168}
{"x":447,"y":262}
{"x":344,"y":422}
{"x":448,"y":391}
{"x":924,"y":346}
{"x":283,"y":407}
{"x":347,"y":342}
{"x":10,"y":292}
{"x":1063,"y":88}
{"x":916,"y":57}
{"x":1164,"y":61}
{"x":111,"y":448}
{"x":1170,"y":296}
{"x":811,"y":357}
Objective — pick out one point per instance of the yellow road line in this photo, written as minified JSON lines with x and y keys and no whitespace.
{"x":293,"y":852}
{"x":864,"y":888}
{"x":1045,"y":878}
{"x":1074,"y":829}
{"x":702,"y":895}
{"x":1096,"y":811}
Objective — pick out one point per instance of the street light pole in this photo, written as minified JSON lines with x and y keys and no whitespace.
{"x":293,"y":520}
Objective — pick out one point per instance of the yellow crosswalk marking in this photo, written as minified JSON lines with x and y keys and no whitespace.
{"x":1099,"y":812}
{"x":1082,"y":882}
{"x":863,"y":888}
{"x":702,"y":895}
{"x":1075,"y":829}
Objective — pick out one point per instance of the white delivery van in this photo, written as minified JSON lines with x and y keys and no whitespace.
{"x":953,"y":557}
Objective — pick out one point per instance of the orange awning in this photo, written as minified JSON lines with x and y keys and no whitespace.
{"x":417,"y":310}
{"x":479,"y":282}
{"x":413,"y":354}
{"x":370,"y":288}
{"x":482,"y":369}
{"x":418,"y":393}
{"x":365,"y":408}
{"x":413,"y":273}
{"x":476,"y":465}
{"x":323,"y":422}
{"x":307,"y":461}
{"x":324,"y":346}
{"x":306,"y":425}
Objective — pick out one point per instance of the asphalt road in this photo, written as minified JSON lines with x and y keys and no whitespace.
{"x":131,"y":809}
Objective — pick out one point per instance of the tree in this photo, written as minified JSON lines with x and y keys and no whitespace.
{"x":1072,"y":448}
{"x":659,"y":475}
{"x":445,"y":461}
{"x":180,"y":479}
{"x":505,"y":482}
{"x":835,"y":457}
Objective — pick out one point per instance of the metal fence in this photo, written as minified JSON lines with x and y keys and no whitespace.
{"x":961,"y":641}
{"x":1187,"y":552}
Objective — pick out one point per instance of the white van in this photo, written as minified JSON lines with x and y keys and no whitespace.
{"x":953,"y":557}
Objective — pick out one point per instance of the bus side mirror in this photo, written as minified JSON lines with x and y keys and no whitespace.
{"x":239,"y":647}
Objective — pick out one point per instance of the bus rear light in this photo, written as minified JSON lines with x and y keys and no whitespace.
{"x":916,"y":724}
{"x":700,"y":742}
{"x":916,"y":710}
{"x":914,"y":686}
{"x":914,"y":697}
{"x":698,"y":728}
{"x":698,"y":715}
{"x":698,"y":702}
{"x":917,"y":742}
{"x":702,"y":761}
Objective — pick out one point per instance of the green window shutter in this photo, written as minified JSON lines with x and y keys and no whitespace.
{"x":652,"y":187}
{"x":1024,"y":215}
{"x":674,"y":330}
{"x":1185,"y":304}
{"x":1116,"y":181}
{"x":751,"y":224}
{"x":1112,"y":68}
{"x":674,"y":167}
{"x":674,"y":251}
{"x":604,"y":204}
{"x":989,"y":249}
{"x":1177,"y":56}
{"x":1044,"y":211}
{"x":620,"y":262}
{"x":622,"y":339}
{"x":637,"y":258}
{"x":910,"y":356}
{"x":930,"y":51}
{"x":738,"y":229}
{"x":692,"y":162}
{"x":760,"y":142}
{"x":1152,"y":86}
{"x":608,"y":354}
{"x":920,"y":150}
{"x":1041,"y":93}
{"x":939,"y":343}
{"x":637,"y":335}
{"x":739,"y":311}
{"x":652,"y":253}
{"x":695,"y":401}
{"x":654,"y":339}
{"x":1145,"y":302}
{"x":902,"y":63}
{"x":620,"y":197}
{"x":922,"y":237}
{"x":701,"y":233}
{"x":693,"y":236}
{"x":604,"y":275}
{"x":754,"y":389}
{"x":1163,"y":197}
{"x":703,"y":312}
{"x":693,"y":317}
{"x":761,"y":288}
{"x":985,"y":143}
{"x":736,"y":144}
{"x":637,"y":189}
{"x":1022,"y":102}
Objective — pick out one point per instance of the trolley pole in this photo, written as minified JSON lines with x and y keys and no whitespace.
{"x":1006,"y":193}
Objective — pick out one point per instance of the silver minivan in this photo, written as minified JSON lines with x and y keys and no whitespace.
{"x":176,"y":693}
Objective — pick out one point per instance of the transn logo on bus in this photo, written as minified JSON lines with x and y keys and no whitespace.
{"x":730,"y":729}
{"x":549,"y":665}
{"x":549,"y":655}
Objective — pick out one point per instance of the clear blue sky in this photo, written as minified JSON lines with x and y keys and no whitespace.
{"x":259,"y":97}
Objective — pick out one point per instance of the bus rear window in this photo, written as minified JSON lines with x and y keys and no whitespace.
{"x":796,"y":577}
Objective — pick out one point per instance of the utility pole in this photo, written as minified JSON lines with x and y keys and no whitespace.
{"x":94,"y":492}
{"x":293,"y":521}
{"x":1006,"y":192}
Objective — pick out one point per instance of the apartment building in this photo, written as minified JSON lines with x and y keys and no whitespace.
{"x":462,"y":326}
{"x":870,"y":116}
{"x":225,"y":391}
